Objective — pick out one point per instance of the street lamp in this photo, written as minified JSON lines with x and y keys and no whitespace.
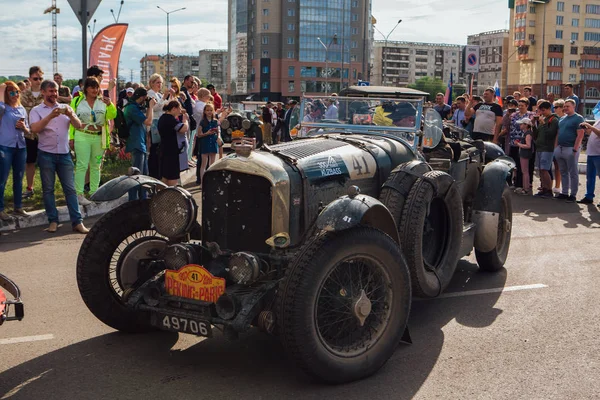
{"x":333,"y":40}
{"x":168,"y":53}
{"x":384,"y":47}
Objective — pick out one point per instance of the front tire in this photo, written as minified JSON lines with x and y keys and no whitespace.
{"x":494,"y":260}
{"x":345,"y":304}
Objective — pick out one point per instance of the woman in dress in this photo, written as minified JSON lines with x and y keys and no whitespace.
{"x":209,"y":134}
{"x":13,"y":153}
{"x":170,"y":128}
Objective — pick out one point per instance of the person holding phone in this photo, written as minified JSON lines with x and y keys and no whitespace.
{"x":209,"y":135}
{"x":13,"y":151}
{"x":93,"y":138}
{"x":169,"y":127}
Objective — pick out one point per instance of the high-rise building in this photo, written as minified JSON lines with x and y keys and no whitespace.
{"x":552,"y":43}
{"x":403,"y":63}
{"x":298,"y":46}
{"x":213,"y":68}
{"x":493,"y":60}
{"x":180,"y":66}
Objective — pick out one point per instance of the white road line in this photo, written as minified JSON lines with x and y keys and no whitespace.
{"x":24,"y":339}
{"x":495,"y":290}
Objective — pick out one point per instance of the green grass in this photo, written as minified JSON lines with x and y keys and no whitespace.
{"x":112,"y":167}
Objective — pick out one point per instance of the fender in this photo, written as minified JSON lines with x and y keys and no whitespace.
{"x":492,"y":151}
{"x":488,"y":202}
{"x":117,"y":187}
{"x":354,"y":210}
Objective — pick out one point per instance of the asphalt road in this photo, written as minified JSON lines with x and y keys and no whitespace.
{"x":536,"y":340}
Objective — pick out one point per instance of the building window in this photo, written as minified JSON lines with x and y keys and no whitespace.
{"x":574,"y":49}
{"x":354,"y":31}
{"x":291,"y":12}
{"x":555,"y":48}
{"x":555,"y":62}
{"x":290,"y":40}
{"x":572,"y":77}
{"x":252,"y":85}
{"x":265,"y":85}
{"x":559,"y":20}
{"x":265,"y":40}
{"x":592,"y":9}
{"x":576,"y":9}
{"x":354,"y":17}
{"x":354,"y":3}
{"x":532,"y":23}
{"x":265,"y":11}
{"x":592,"y":23}
{"x":265,"y":69}
{"x":532,"y":10}
{"x":559,"y":34}
{"x":291,"y":71}
{"x":575,"y":22}
{"x":265,"y":54}
{"x":591,"y":36}
{"x":354,"y":45}
{"x":353,"y":57}
{"x":574,"y":36}
{"x":573,"y":64}
{"x":560,"y":6}
{"x":265,"y":27}
{"x":290,"y":54}
{"x":555,"y":76}
{"x":291,"y":87}
{"x":554,"y":89}
{"x":520,"y":9}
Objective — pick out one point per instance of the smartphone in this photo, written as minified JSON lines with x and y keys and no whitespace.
{"x":105,"y":93}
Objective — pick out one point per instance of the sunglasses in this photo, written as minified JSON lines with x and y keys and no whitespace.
{"x":37,"y":79}
{"x":93,"y":116}
{"x":12,"y":93}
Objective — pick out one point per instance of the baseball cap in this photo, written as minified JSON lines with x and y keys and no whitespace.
{"x":130,"y":90}
{"x":525,"y":121}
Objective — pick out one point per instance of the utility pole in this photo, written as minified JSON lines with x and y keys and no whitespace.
{"x":54,"y":11}
{"x":131,"y":71}
{"x":168,"y":52}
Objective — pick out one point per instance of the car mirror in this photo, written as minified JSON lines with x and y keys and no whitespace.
{"x":432,"y":129}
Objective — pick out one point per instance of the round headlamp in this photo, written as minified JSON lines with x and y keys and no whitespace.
{"x":178,"y":256}
{"x":244,"y":268}
{"x":173,"y":211}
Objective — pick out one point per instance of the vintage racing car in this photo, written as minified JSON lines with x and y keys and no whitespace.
{"x":321,"y":241}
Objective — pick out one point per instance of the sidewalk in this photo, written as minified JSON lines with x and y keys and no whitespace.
{"x":39,"y":217}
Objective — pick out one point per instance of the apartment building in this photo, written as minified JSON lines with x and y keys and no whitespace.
{"x":555,"y":42}
{"x":398,"y":63}
{"x":213,"y":68}
{"x":180,"y":66}
{"x":493,"y":60}
{"x":237,"y":34}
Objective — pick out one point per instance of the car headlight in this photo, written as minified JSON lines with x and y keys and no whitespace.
{"x":244,"y":268}
{"x":173,"y":211}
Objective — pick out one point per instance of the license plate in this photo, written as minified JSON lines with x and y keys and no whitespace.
{"x":182,"y":324}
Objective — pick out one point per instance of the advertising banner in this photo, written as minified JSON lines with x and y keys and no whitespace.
{"x":105,"y":52}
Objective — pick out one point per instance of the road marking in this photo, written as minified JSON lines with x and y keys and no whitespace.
{"x":24,"y":339}
{"x":495,"y":290}
{"x":22,"y":385}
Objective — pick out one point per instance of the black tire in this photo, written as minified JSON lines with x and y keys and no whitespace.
{"x":306,"y":310}
{"x":494,"y":260}
{"x":430,"y":232}
{"x":101,"y":293}
{"x":402,"y":178}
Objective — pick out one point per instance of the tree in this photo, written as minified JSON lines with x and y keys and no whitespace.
{"x":430,"y":85}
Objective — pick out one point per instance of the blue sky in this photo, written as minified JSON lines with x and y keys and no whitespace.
{"x":27,"y":34}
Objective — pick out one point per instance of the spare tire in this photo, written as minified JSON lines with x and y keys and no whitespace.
{"x":397,"y":186}
{"x":430,"y":232}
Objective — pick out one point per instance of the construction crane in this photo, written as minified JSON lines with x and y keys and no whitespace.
{"x":54,"y":11}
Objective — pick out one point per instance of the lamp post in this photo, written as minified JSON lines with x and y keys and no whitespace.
{"x":384,"y":48}
{"x":333,"y":40}
{"x":545,"y":3}
{"x":168,"y":52}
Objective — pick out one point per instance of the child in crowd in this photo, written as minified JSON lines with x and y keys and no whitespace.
{"x":525,"y":146}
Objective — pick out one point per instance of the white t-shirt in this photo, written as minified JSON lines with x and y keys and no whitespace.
{"x":593,"y":145}
{"x":199,"y":111}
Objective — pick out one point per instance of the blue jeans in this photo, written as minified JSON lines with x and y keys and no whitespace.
{"x":15,"y":158}
{"x":62,"y":165}
{"x":567,"y":163}
{"x":139,"y":160}
{"x":593,"y":170}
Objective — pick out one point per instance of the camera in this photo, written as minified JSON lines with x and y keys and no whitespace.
{"x":582,"y":126}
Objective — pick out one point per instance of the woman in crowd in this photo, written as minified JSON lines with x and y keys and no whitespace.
{"x":182,"y":138}
{"x":155,"y":92}
{"x":209,"y":137}
{"x":91,"y":141}
{"x":526,"y":152}
{"x":203,"y":98}
{"x":516,"y":135}
{"x":13,"y":153}
{"x":170,"y":128}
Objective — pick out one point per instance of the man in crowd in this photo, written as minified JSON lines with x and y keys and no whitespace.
{"x":570,"y":95}
{"x":188,"y":82}
{"x":78,"y":88}
{"x":285,"y":128}
{"x":29,"y":99}
{"x":593,"y":161}
{"x":442,"y":108}
{"x":459,"y":114}
{"x":138,"y":123}
{"x":64,"y":93}
{"x":517,"y":95}
{"x":532,"y":99}
{"x":570,"y":135}
{"x":50,"y":121}
{"x":331,"y":111}
{"x":218,"y":101}
{"x":488,"y":117}
{"x":545,"y":138}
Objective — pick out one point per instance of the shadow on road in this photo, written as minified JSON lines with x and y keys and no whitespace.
{"x":540,"y":210}
{"x":119,"y":366}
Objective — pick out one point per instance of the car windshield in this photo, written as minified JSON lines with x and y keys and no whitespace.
{"x":397,"y":117}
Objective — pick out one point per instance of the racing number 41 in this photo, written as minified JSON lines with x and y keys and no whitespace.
{"x":357,"y":167}
{"x":185,"y":325}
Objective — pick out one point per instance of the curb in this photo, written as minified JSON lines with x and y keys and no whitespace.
{"x":39,"y":217}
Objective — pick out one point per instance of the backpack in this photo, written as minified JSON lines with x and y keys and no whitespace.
{"x":121,"y":126}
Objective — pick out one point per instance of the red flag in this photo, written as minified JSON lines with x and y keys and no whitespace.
{"x":105,"y":52}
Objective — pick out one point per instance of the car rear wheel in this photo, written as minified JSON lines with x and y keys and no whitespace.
{"x":345,"y":304}
{"x":494,"y":260}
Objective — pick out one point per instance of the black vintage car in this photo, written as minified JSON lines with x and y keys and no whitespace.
{"x":322,"y":241}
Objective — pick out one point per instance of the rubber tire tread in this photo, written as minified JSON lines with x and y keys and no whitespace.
{"x":93,"y":261}
{"x":425,"y":283}
{"x":394,"y":199}
{"x":296,"y":320}
{"x":492,"y":261}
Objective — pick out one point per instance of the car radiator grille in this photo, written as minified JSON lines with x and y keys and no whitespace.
{"x":236,"y":211}
{"x":305,"y":148}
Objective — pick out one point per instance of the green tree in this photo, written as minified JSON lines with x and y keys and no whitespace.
{"x":429,"y":85}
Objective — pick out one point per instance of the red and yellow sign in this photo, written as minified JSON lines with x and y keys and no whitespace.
{"x":194,"y":282}
{"x":237,"y":134}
